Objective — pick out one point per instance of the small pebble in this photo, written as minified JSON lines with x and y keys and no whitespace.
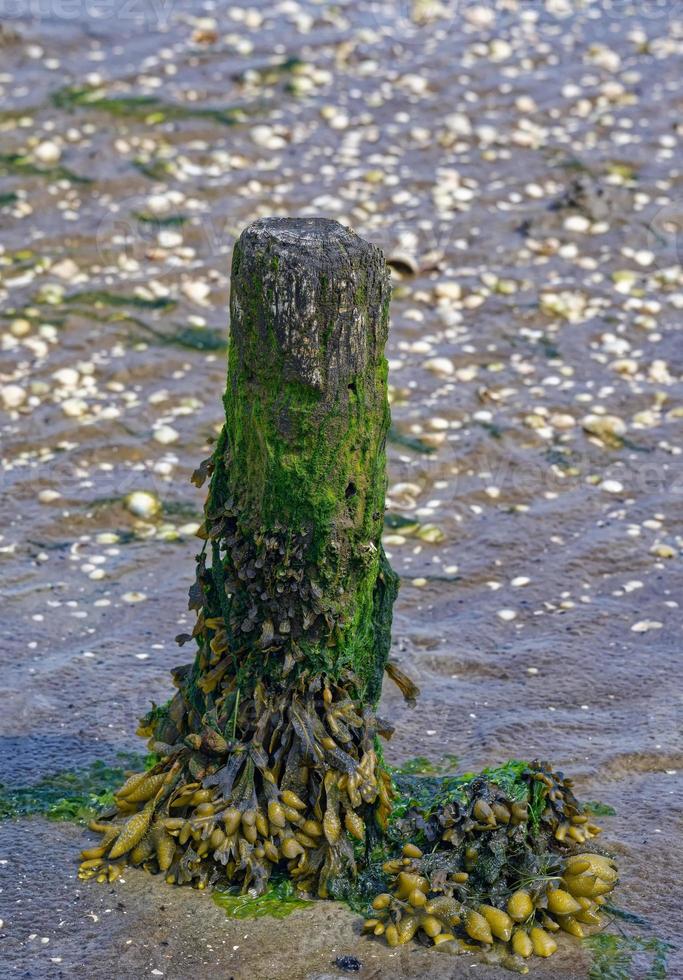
{"x":12,"y":396}
{"x":663,"y":551}
{"x":142,"y":504}
{"x":448,"y":290}
{"x":507,"y":615}
{"x":350,"y":963}
{"x":645,"y":625}
{"x":47,"y":152}
{"x":74,"y":408}
{"x":165,"y":434}
{"x":439,"y":365}
{"x":47,"y":496}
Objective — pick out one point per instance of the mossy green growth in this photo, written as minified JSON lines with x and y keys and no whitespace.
{"x":303,"y":457}
{"x":22,"y":165}
{"x":598,"y":809}
{"x":421,"y":766}
{"x":147,"y":107}
{"x":154,"y":168}
{"x":434,"y":790}
{"x":195,"y":338}
{"x":618,"y":957}
{"x":100,"y":297}
{"x":159,"y":221}
{"x":278,"y":901}
{"x":67,"y":795}
{"x":409,"y":442}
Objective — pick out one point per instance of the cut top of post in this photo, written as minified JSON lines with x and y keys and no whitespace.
{"x":309,"y":302}
{"x":312,"y":242}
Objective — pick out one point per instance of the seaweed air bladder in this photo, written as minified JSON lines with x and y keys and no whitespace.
{"x":270,"y":758}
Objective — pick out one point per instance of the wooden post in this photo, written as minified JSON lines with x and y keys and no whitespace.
{"x":268,"y":748}
{"x":303,"y":455}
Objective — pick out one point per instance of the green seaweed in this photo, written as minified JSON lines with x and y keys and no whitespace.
{"x":357,"y":893}
{"x":182,"y":508}
{"x":157,"y":221}
{"x":624,"y":170}
{"x":549,"y":348}
{"x":625,"y":916}
{"x":561,"y":457}
{"x":613,"y":956}
{"x":147,"y":107}
{"x":9,"y":198}
{"x":493,"y":430}
{"x":397,"y":522}
{"x":195,"y":338}
{"x":154,"y":169}
{"x":421,"y":766}
{"x":271,"y":73}
{"x":430,"y":786}
{"x":100,"y":297}
{"x":279,"y":900}
{"x":19,"y":163}
{"x":408,"y":442}
{"x":17,"y":112}
{"x":70,"y":795}
{"x":598,"y":809}
{"x":188,"y":337}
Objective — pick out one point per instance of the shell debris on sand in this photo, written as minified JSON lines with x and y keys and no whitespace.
{"x":532,"y":181}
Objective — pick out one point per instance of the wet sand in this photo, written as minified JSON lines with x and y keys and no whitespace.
{"x":526,"y":166}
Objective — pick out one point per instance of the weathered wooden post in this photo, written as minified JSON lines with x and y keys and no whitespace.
{"x":268,"y":751}
{"x":268,"y":748}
